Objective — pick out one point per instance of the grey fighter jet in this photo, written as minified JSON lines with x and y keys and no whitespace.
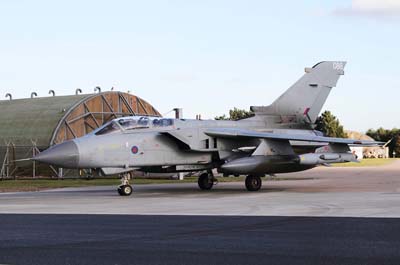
{"x":279,"y":138}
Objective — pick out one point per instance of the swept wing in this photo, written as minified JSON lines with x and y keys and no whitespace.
{"x":240,"y":133}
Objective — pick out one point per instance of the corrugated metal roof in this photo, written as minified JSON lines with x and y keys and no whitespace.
{"x":23,"y":120}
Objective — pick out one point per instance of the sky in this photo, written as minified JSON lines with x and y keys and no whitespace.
{"x":205,"y":56}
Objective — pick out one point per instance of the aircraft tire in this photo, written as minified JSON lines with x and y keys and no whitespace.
{"x":205,"y":181}
{"x":253,"y":183}
{"x":125,"y":190}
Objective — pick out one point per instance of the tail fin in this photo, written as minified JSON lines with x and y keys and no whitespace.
{"x":303,"y":101}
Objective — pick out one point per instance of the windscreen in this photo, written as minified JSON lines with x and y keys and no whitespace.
{"x":112,"y":127}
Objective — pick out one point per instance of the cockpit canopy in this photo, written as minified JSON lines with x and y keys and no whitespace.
{"x":133,"y":123}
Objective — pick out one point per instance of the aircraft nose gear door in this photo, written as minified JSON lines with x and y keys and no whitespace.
{"x":125,"y":189}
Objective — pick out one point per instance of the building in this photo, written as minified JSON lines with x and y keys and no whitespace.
{"x":30,"y":125}
{"x":367,"y":152}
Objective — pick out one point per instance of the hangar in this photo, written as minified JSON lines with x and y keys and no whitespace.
{"x":30,"y":125}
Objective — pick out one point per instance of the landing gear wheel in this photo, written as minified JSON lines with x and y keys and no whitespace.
{"x":206,"y":181}
{"x":253,"y":183}
{"x":125,"y":190}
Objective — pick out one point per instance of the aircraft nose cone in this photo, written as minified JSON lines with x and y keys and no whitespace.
{"x":63,"y":155}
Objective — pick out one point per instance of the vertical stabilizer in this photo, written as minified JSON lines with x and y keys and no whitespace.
{"x":303,"y":101}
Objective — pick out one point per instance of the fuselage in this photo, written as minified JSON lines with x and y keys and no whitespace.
{"x":156,"y":144}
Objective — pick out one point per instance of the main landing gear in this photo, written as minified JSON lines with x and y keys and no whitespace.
{"x":253,"y":183}
{"x":125,"y":189}
{"x":206,"y":181}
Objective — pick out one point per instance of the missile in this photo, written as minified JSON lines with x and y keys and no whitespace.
{"x":326,"y":158}
{"x":261,"y":165}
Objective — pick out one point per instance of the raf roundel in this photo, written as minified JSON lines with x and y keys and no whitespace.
{"x":135,"y":149}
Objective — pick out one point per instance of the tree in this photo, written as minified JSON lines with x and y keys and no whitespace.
{"x":236,"y":114}
{"x":396,"y":146}
{"x":384,"y":135}
{"x":330,"y":125}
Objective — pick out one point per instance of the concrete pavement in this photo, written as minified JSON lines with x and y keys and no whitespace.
{"x":346,"y":192}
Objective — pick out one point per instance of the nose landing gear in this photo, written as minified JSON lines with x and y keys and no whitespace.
{"x":125,"y":189}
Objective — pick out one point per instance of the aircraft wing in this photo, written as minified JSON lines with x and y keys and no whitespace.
{"x":240,"y":133}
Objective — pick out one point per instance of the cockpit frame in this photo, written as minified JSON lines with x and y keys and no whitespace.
{"x":126,"y":124}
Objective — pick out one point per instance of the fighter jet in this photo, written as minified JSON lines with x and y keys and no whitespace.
{"x":279,"y":138}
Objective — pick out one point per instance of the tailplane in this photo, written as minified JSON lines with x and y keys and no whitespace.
{"x":303,"y":101}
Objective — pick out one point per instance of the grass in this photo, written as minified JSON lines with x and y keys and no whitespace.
{"x":372,"y":162}
{"x":43,"y":184}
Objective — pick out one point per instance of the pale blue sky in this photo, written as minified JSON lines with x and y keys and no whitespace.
{"x":204,"y":56}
